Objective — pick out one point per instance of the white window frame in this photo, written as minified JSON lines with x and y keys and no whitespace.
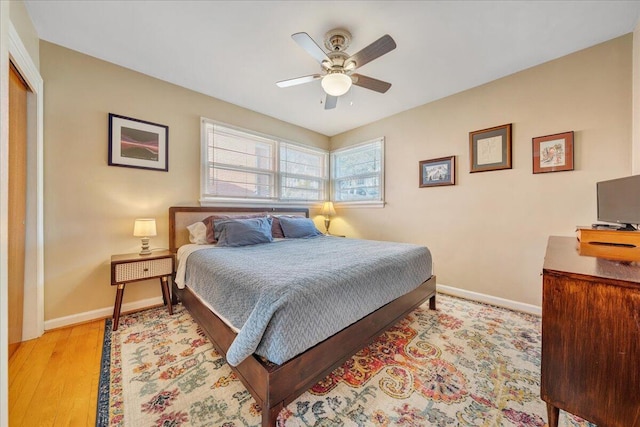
{"x":359,"y":203}
{"x":323,"y":180}
{"x":209,"y":200}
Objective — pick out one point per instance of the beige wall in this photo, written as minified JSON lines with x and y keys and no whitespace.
{"x":90,"y":206}
{"x":24,"y":27}
{"x":635,"y":127}
{"x":488,"y":233}
{"x":4,"y":151}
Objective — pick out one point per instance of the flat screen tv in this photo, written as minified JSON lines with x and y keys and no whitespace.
{"x":619,"y":201}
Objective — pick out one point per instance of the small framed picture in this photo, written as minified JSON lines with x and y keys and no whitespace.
{"x":136,"y":143}
{"x":490,"y":149}
{"x":553,"y":153}
{"x":437,"y":172}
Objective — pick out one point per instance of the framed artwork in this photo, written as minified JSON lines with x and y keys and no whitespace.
{"x":490,"y":149}
{"x":437,"y":172}
{"x":136,"y":143}
{"x":553,"y":153}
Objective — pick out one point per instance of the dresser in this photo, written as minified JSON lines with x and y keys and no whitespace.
{"x":590,"y":334}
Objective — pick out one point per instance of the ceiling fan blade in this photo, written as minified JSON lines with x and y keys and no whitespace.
{"x":330,"y":102}
{"x":370,"y":83}
{"x":384,"y":44}
{"x":312,"y":48}
{"x":298,"y":80}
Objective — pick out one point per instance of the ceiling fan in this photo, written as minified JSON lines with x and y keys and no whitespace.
{"x":338,"y":67}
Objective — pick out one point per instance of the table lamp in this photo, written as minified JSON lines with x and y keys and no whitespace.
{"x":145,"y":228}
{"x":327,"y":211}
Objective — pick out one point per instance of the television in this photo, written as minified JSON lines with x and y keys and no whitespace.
{"x":619,"y":201}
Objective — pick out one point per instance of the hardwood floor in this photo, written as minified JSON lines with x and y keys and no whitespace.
{"x":53,"y":380}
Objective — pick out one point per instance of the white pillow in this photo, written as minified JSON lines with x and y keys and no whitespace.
{"x":198,"y":233}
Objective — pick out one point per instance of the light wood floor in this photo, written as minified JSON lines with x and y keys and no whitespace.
{"x":53,"y":380}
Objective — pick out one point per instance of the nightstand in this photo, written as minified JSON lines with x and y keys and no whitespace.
{"x":135,"y":267}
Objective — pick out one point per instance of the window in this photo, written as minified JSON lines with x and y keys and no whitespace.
{"x":239,"y":164}
{"x":357,"y":173}
{"x":303,"y":173}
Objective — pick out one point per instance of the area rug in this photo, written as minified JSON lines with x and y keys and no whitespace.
{"x":465,"y":364}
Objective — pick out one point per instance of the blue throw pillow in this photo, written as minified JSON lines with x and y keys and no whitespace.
{"x":298,"y":227}
{"x":243,"y":232}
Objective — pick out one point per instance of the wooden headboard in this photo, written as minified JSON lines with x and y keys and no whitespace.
{"x":182,"y":216}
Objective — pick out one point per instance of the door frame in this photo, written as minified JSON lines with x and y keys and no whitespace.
{"x":12,"y":49}
{"x":33,"y":325}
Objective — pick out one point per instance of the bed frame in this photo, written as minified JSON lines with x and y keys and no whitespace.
{"x":275,"y":386}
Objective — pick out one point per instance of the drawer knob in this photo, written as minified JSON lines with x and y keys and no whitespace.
{"x":145,"y":270}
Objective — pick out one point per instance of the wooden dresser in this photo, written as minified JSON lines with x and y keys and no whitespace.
{"x":590,"y":335}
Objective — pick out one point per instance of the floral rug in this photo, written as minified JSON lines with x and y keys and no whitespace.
{"x":466,"y":364}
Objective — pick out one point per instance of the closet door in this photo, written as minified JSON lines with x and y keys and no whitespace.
{"x":17,"y":203}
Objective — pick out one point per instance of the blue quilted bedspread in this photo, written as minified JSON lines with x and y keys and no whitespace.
{"x":286,"y":296}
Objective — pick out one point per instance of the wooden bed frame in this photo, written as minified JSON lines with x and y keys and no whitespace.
{"x":275,"y":386}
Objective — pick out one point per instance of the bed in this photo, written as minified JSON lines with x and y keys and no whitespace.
{"x":276,"y":385}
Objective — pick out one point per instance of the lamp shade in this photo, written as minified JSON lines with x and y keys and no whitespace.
{"x":336,"y":84}
{"x":144,"y":227}
{"x":328,"y":209}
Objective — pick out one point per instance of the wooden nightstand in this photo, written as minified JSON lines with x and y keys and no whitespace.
{"x":135,"y":267}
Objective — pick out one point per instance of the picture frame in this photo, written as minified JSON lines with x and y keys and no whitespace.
{"x":437,"y":172}
{"x":553,"y":153}
{"x":135,"y":143}
{"x":490,"y":149}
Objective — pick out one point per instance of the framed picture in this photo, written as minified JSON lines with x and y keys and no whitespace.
{"x":490,"y":149}
{"x":437,"y":172}
{"x":553,"y":153}
{"x":135,"y":143}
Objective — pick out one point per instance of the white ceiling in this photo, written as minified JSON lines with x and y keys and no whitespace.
{"x":237,"y":50}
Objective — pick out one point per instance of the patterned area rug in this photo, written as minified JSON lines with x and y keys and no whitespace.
{"x":466,"y":364}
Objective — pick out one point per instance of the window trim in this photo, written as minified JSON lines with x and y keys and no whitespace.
{"x":205,"y":200}
{"x":359,"y":203}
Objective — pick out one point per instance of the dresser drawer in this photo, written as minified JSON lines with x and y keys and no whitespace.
{"x":131,"y":271}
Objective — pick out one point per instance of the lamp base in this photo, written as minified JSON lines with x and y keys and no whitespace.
{"x":327,"y":223}
{"x":145,"y":246}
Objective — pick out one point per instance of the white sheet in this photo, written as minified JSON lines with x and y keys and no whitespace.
{"x":183,"y":253}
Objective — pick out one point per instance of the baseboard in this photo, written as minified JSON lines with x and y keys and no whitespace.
{"x":100,"y":313}
{"x":488,"y":299}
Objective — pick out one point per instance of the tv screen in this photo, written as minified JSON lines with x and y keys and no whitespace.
{"x":619,"y":200}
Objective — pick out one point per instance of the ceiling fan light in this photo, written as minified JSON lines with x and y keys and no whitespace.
{"x":350,"y":65}
{"x":336,"y":84}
